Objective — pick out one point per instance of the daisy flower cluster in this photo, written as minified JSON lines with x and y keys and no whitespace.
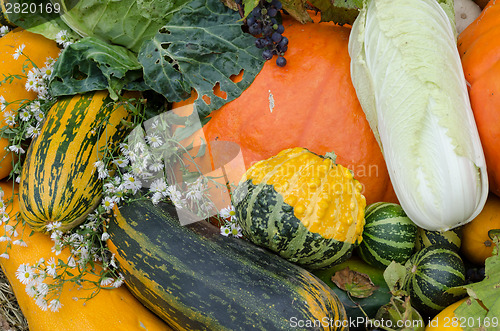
{"x":24,"y":118}
{"x":154,"y":162}
{"x":44,"y":280}
{"x":230,"y":225}
{"x":9,"y":224}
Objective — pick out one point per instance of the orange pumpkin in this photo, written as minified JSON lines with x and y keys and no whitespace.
{"x":309,"y":103}
{"x":37,"y":48}
{"x":477,"y":246}
{"x":479,"y":46}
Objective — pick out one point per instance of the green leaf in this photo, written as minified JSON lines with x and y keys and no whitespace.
{"x":395,"y":275}
{"x":249,"y":5}
{"x":126,"y":22}
{"x":40,"y":17}
{"x":91,"y":64}
{"x":357,"y":284}
{"x":338,"y":11}
{"x":201,"y":46}
{"x":486,"y":293}
{"x":297,"y":9}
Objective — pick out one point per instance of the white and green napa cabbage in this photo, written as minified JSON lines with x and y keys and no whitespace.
{"x":408,"y":77}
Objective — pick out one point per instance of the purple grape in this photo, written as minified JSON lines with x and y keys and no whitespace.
{"x":267,"y":54}
{"x":276,"y":37}
{"x":280,"y":61}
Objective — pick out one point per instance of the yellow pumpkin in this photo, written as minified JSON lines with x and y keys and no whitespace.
{"x":444,"y":321}
{"x":115,"y":309}
{"x":38,"y":49}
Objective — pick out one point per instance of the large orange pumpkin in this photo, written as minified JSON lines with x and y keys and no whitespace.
{"x":309,"y":103}
{"x":479,"y":46}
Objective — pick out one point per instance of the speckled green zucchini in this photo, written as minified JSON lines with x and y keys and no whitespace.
{"x":196,"y":279}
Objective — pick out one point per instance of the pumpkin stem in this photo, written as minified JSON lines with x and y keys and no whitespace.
{"x":332,"y":156}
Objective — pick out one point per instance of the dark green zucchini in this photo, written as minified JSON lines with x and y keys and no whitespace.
{"x":196,"y":279}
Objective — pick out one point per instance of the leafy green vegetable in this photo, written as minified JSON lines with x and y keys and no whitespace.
{"x":340,"y":12}
{"x":201,"y":46}
{"x":125,"y":22}
{"x":37,"y":16}
{"x":485,"y":309}
{"x":409,"y":80}
{"x":92,"y":64}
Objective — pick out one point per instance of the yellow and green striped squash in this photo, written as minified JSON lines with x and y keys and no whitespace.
{"x":302,"y":206}
{"x":59,"y":182}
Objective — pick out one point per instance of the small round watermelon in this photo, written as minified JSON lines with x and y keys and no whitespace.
{"x":389,"y":235}
{"x":431,"y":271}
{"x":451,"y":238}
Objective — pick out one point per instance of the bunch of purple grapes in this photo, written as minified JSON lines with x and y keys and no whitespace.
{"x":263,"y":23}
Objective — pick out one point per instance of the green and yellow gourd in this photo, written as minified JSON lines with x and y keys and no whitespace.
{"x":59,"y":182}
{"x":302,"y":206}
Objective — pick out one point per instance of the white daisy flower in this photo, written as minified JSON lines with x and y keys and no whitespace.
{"x":42,"y":303}
{"x":10,"y":117}
{"x":20,"y":242}
{"x":31,"y":290}
{"x":121,"y":162}
{"x":4,"y":29}
{"x":51,"y":267}
{"x":2,"y":103}
{"x":225,"y":231}
{"x":104,"y":236}
{"x":25,"y":274}
{"x":62,"y":38}
{"x":42,"y":289}
{"x":46,"y":72}
{"x":32,"y":131}
{"x":158,"y":185}
{"x":55,"y":305}
{"x":25,"y":115}
{"x":108,"y":203}
{"x":16,"y":149}
{"x":106,"y":281}
{"x":18,"y":51}
{"x":53,"y":226}
{"x":154,"y":140}
{"x":39,"y":115}
{"x":228,"y":212}
{"x":236,"y":231}
{"x":130,"y":182}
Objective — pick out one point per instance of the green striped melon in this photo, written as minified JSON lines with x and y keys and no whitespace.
{"x":430,"y":272}
{"x":302,"y":206}
{"x":196,"y":279}
{"x":451,"y":238}
{"x":59,"y":182}
{"x":389,"y":235}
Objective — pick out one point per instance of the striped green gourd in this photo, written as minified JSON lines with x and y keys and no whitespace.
{"x":59,"y":182}
{"x":303,"y":206}
{"x":430,"y":272}
{"x":196,"y":279}
{"x":389,"y":235}
{"x":451,"y":238}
